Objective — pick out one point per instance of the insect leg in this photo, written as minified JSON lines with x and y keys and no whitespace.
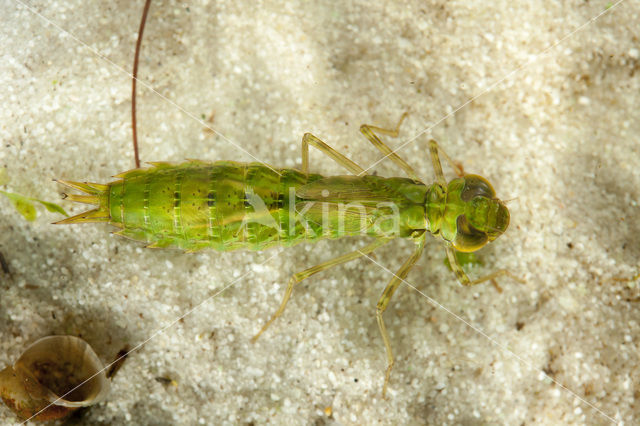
{"x":309,"y":139}
{"x":464,"y":279}
{"x":434,"y":150}
{"x":369,"y":132}
{"x":298,"y":277}
{"x":398,"y":277}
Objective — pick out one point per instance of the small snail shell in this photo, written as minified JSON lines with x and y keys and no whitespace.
{"x":49,"y":369}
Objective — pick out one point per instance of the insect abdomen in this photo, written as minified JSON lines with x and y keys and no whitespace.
{"x":223,"y":205}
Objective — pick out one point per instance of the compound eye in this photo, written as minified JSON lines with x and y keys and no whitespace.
{"x":468,"y":238}
{"x":475,"y":186}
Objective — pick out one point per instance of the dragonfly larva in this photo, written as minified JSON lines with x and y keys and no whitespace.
{"x":228,"y":205}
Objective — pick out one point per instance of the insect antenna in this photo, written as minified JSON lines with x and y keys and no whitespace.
{"x":134,"y":80}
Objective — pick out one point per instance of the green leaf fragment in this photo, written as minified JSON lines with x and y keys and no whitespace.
{"x":52,"y":207}
{"x":25,"y":206}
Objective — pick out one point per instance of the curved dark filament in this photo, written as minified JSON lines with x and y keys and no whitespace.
{"x":134,"y":80}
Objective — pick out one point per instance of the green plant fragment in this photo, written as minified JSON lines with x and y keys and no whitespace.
{"x":25,"y":206}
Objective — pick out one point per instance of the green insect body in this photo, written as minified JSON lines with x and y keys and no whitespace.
{"x":227,"y":206}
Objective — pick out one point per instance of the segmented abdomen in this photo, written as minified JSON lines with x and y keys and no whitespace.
{"x":223,"y":205}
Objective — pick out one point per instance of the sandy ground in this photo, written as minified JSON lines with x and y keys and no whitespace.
{"x":559,"y":138}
